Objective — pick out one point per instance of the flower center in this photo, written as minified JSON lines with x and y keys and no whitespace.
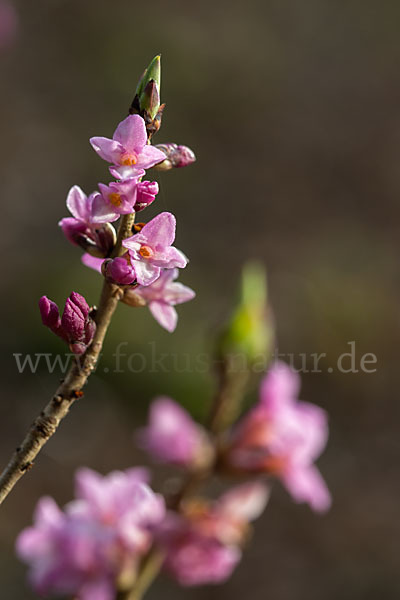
{"x":115,"y":199}
{"x":146,"y":251}
{"x":129,"y":159}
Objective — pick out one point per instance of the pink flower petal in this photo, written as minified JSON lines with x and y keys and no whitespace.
{"x":131,"y":134}
{"x":245,"y":502}
{"x":109,"y":150}
{"x":146,"y":273}
{"x":164,"y":314}
{"x":77,"y":203}
{"x":160,"y":230}
{"x":177,"y":293}
{"x":92,"y":262}
{"x":149,"y":157}
{"x":102,"y":211}
{"x":307,"y":485}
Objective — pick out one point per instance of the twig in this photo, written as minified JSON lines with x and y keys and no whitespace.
{"x":46,"y":424}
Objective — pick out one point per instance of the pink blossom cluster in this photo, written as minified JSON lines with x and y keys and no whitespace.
{"x":93,"y":547}
{"x":96,"y":542}
{"x":149,"y":264}
{"x":280,"y":437}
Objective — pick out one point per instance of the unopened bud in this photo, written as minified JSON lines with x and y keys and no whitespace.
{"x":147,"y":96}
{"x":118,"y":270}
{"x":175,"y":156}
{"x":250,"y":330}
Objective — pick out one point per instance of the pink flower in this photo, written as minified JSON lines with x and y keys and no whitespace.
{"x":283,"y":436}
{"x":83,"y":550}
{"x":75,"y":326}
{"x":129,"y":195}
{"x":151,"y":249}
{"x":172,"y":436}
{"x":87,"y":226}
{"x":203,"y":544}
{"x":123,"y":501}
{"x":162,"y":295}
{"x":128,"y":148}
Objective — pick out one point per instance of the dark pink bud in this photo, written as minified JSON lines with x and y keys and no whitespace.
{"x":146,"y":194}
{"x":49,"y":313}
{"x":51,"y":317}
{"x":73,"y":319}
{"x":119,"y":270}
{"x":75,"y":327}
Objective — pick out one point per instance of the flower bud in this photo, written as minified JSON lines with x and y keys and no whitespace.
{"x":147,"y":96}
{"x":250,"y":330}
{"x":75,"y":327}
{"x":176,"y":156}
{"x":50,"y":314}
{"x":146,"y":194}
{"x":118,"y":270}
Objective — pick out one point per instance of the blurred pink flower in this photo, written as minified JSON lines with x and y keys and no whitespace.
{"x":172,"y":436}
{"x":203,"y":543}
{"x":82,"y":550}
{"x":9,"y":23}
{"x":283,"y":436}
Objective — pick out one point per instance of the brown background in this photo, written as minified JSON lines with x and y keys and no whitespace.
{"x":293,"y":111}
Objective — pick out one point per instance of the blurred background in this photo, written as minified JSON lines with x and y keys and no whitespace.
{"x":293,"y":110}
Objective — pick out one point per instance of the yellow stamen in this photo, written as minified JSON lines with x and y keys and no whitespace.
{"x":128,"y":160}
{"x":146,"y":252}
{"x":115,"y":199}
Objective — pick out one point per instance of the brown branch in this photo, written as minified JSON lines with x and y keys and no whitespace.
{"x":46,"y":424}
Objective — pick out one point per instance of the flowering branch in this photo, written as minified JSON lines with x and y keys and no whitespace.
{"x":138,"y":269}
{"x":112,"y":540}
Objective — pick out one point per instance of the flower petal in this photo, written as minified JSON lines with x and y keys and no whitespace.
{"x":93,"y":262}
{"x":177,"y":293}
{"x":160,"y":230}
{"x":149,"y":157}
{"x":245,"y":502}
{"x":102,"y":211}
{"x":146,"y":273}
{"x":109,"y":150}
{"x":307,"y":485}
{"x":171,"y":257}
{"x":122,"y":172}
{"x":77,"y":203}
{"x":164,"y":314}
{"x":131,"y":133}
